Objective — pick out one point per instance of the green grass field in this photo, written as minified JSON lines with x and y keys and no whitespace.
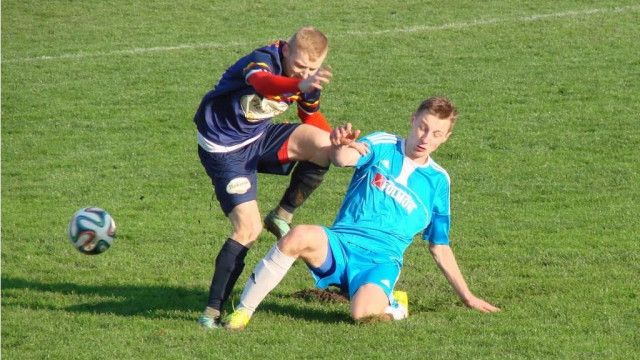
{"x":97,"y":106}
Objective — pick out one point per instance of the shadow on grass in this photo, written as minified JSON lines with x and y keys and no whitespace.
{"x":173,"y":302}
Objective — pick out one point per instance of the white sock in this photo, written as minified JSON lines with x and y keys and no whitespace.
{"x":398,"y":312}
{"x":266,"y":276}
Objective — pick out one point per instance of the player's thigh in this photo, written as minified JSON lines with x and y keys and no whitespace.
{"x":308,"y":242}
{"x":309,"y":143}
{"x":369,"y":299}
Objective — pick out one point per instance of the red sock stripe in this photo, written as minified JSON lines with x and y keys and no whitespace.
{"x":283,"y":153}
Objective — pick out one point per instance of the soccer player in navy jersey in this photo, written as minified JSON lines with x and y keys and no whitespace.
{"x":236,"y":139}
{"x":396,"y":192}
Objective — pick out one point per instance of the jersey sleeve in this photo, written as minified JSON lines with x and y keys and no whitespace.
{"x":366,"y":160}
{"x":309,"y":110}
{"x":309,"y":102}
{"x":272,"y":85}
{"x":437,"y":232}
{"x":259,"y":60}
{"x":255,"y":67}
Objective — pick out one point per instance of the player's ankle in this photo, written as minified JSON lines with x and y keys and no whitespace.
{"x":283,"y":214}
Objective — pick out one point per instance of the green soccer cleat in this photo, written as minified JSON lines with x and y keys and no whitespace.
{"x":210,"y":319}
{"x":238,"y":320}
{"x":276,"y":225}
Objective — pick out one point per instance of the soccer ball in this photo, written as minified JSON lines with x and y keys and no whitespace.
{"x":92,"y":230}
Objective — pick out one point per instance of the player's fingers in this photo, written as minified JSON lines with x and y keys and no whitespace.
{"x":320,"y":79}
{"x":325,"y":69}
{"x":334,"y":137}
{"x":325,"y":73}
{"x":486,"y":307}
{"x":362,"y":148}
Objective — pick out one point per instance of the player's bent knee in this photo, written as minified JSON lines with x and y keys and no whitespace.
{"x":293,"y":243}
{"x":300,"y":239}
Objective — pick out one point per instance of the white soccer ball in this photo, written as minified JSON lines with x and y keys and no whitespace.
{"x":92,"y":230}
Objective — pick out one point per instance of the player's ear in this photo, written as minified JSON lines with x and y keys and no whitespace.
{"x":286,"y":50}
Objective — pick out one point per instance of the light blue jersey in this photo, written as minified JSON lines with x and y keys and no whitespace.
{"x":391,"y":198}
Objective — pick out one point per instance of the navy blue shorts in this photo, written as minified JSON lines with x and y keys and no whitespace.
{"x":234,"y":174}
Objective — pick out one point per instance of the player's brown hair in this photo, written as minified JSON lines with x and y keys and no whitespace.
{"x":440,"y":107}
{"x":311,"y":41}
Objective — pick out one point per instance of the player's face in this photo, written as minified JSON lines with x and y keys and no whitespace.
{"x":298,"y":64}
{"x":427,"y":133}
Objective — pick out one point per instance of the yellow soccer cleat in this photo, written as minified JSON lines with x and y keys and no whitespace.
{"x":403,"y":300}
{"x":238,"y":320}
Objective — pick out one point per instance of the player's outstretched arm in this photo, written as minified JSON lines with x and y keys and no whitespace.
{"x":345,"y":151}
{"x":443,"y":255}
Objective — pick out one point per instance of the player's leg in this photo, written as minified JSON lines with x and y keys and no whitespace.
{"x":306,"y":242}
{"x":247,"y":225}
{"x":310,"y":146}
{"x":236,"y":194}
{"x":306,"y":177}
{"x":229,"y":264}
{"x":309,"y":143}
{"x":369,"y":300}
{"x":374,"y":298}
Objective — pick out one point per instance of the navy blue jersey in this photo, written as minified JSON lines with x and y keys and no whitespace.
{"x":234,"y":114}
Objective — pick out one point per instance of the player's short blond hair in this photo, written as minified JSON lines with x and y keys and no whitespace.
{"x":440,"y":107}
{"x":310,"y":41}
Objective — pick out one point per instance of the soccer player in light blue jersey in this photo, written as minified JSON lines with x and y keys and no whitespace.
{"x":396,"y":192}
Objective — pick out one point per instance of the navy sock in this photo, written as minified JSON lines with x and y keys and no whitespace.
{"x":229,"y":266}
{"x":306,"y":177}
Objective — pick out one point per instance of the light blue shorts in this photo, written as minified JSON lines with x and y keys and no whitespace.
{"x":351,"y":266}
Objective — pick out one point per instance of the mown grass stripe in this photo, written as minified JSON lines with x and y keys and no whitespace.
{"x":413,"y":29}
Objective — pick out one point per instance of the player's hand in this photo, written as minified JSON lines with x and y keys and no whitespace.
{"x":315,"y":81}
{"x":480,"y":305}
{"x":344,"y":135}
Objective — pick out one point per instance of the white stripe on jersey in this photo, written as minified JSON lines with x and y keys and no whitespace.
{"x":446,"y":174}
{"x":383,"y":138}
{"x":441,"y":169}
